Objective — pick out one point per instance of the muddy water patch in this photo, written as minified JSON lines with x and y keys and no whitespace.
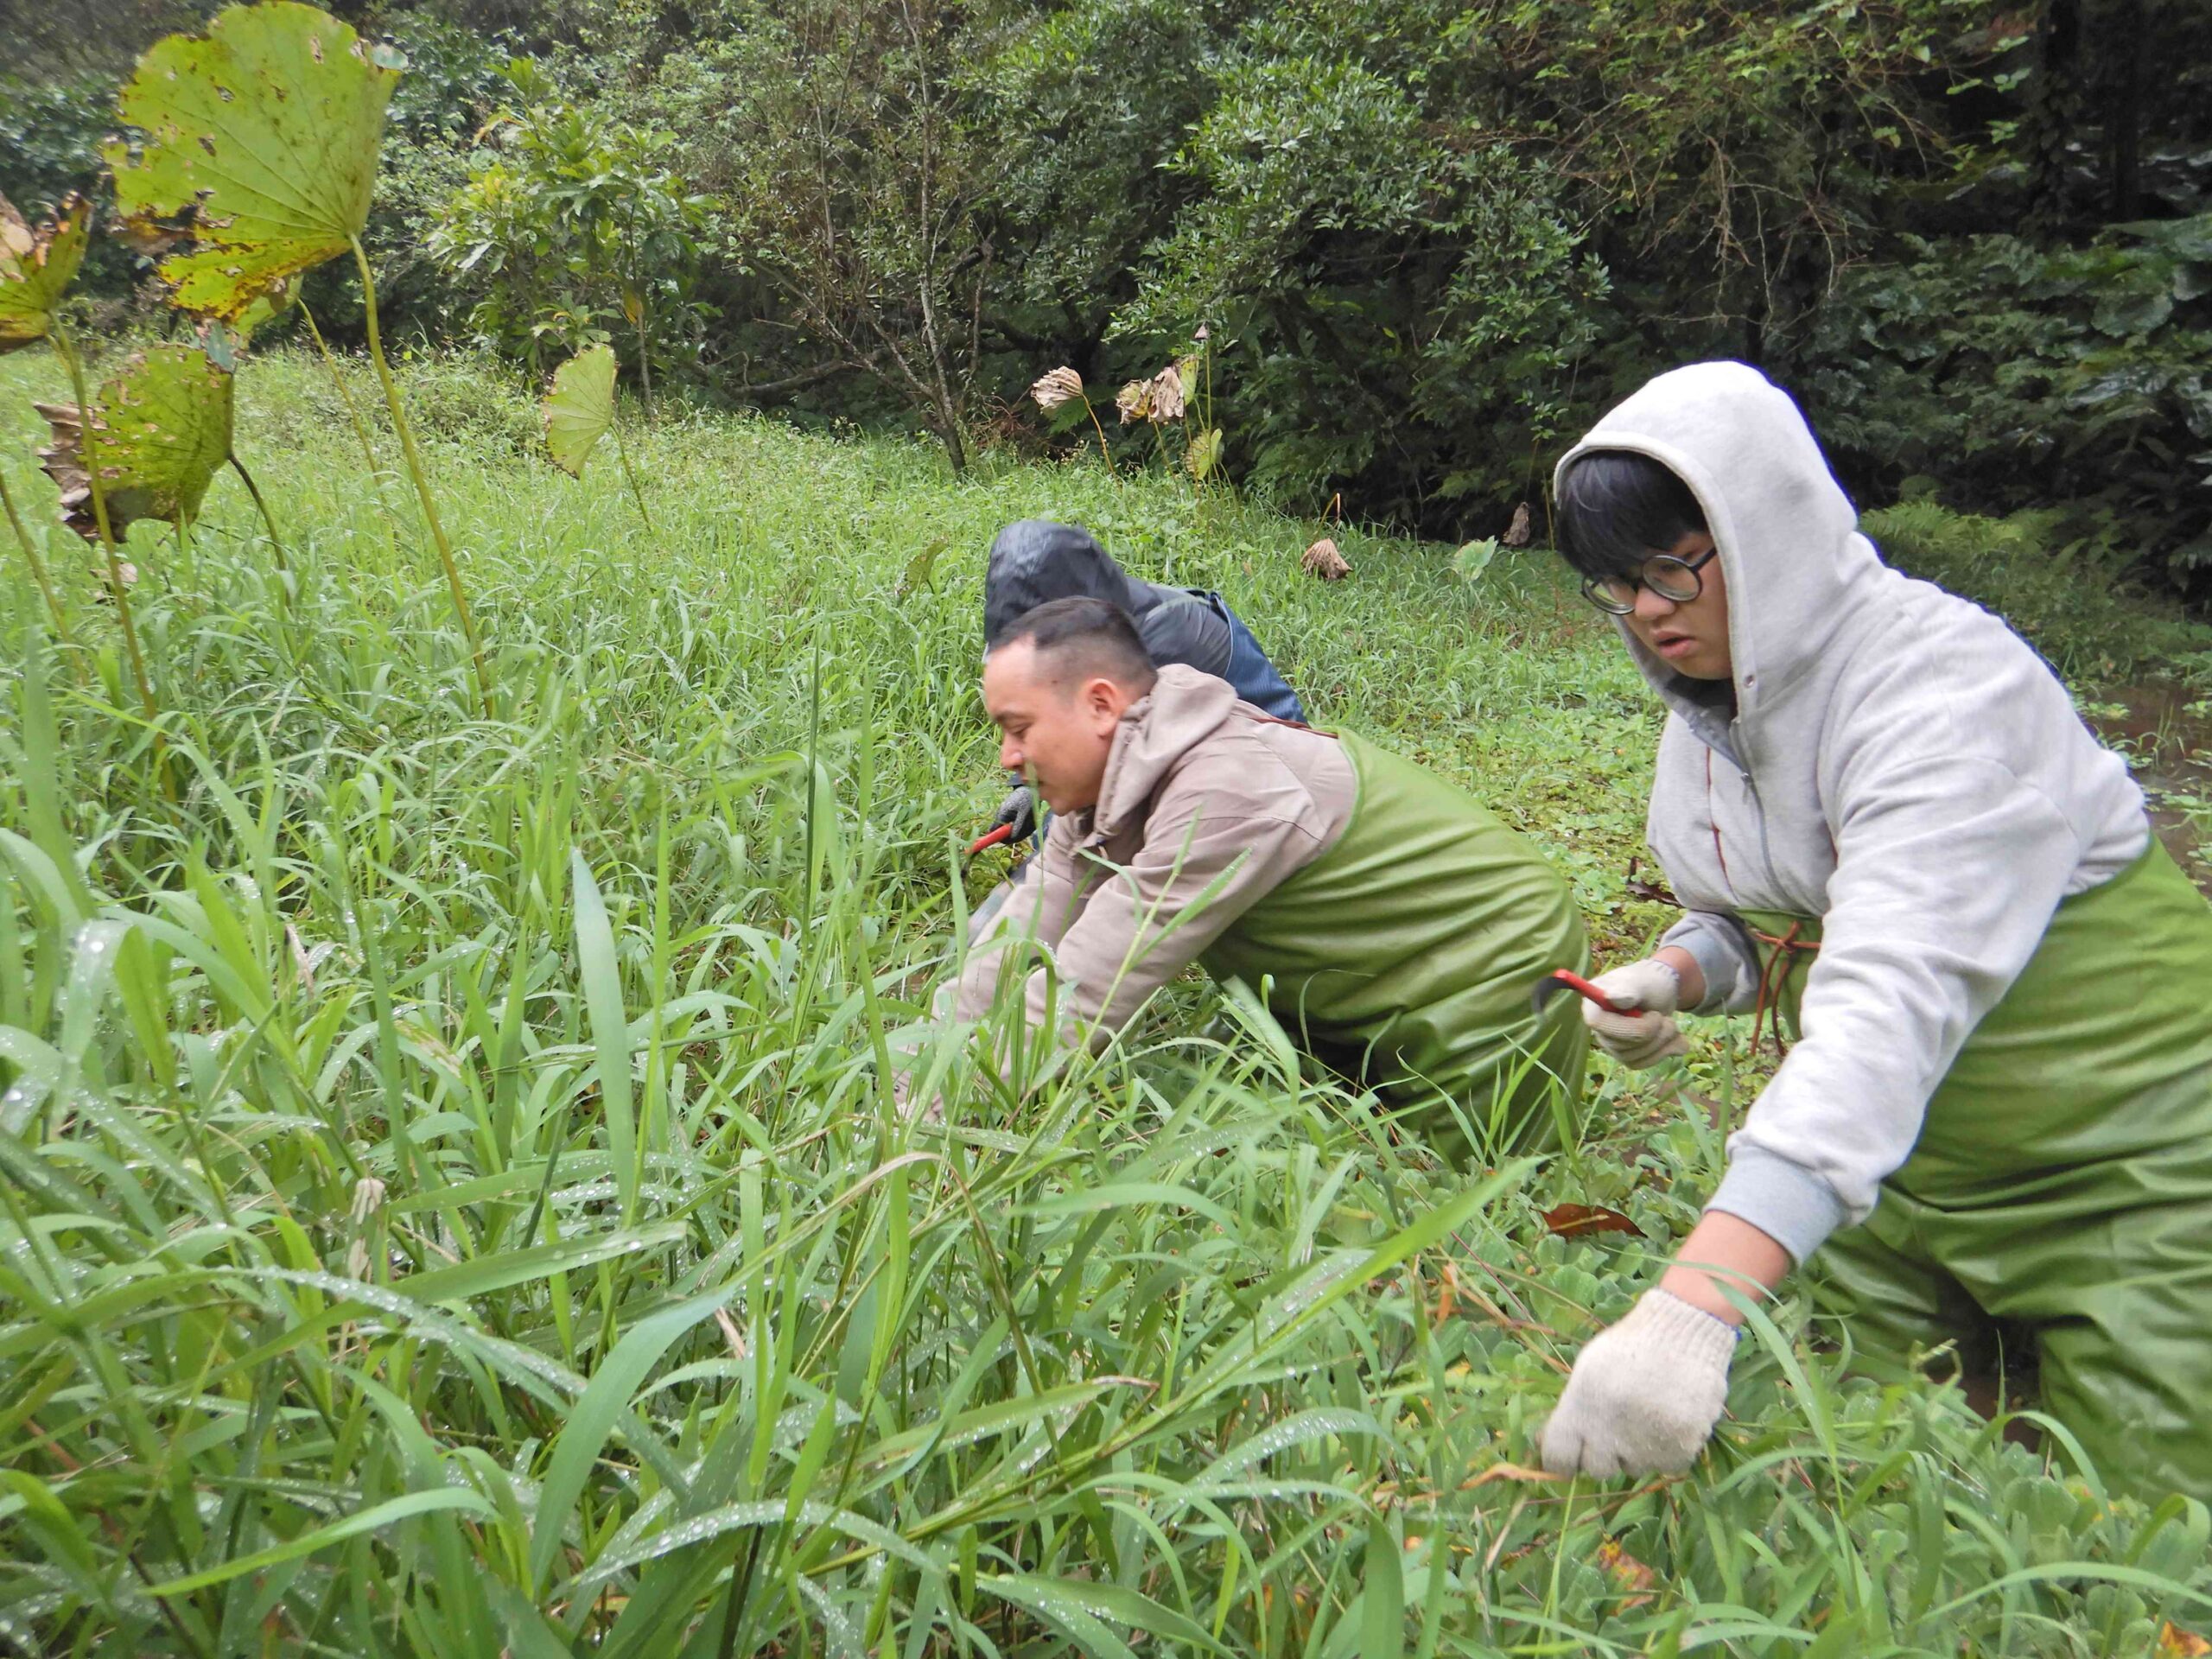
{"x":2165,"y":731}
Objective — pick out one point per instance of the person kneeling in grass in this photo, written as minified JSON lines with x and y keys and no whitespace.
{"x":1891,"y":831}
{"x":1397,"y":925}
{"x":1034,"y":561}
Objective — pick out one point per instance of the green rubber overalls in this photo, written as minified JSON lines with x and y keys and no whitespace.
{"x":2061,"y":1184}
{"x":1404,"y":957}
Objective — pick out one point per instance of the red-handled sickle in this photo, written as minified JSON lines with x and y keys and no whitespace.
{"x":1003,"y":833}
{"x":1562,"y":979}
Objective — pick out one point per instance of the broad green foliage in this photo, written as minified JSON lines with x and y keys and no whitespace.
{"x":575,"y":227}
{"x":2013,"y":377}
{"x":580,"y":407}
{"x":264,"y":133}
{"x":36,"y":268}
{"x":160,"y":429}
{"x":452,"y":1204}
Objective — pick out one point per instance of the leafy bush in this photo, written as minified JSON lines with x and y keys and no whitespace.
{"x":576,"y":229}
{"x":2018,"y":377}
{"x":1432,"y":369}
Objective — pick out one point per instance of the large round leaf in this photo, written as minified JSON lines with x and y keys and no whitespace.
{"x":581,"y":407}
{"x":265,"y":132}
{"x":160,"y":429}
{"x":36,"y":268}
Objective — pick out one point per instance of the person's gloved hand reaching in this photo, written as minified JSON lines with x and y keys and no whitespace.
{"x":1645,"y":1393}
{"x":1020,"y":809}
{"x":1645,"y":1039}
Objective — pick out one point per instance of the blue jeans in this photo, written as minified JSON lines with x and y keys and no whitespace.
{"x":1250,"y":674}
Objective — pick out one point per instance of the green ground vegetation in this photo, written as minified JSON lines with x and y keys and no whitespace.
{"x":454,"y":1201}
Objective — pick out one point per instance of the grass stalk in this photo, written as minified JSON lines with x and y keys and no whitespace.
{"x":117,"y":590}
{"x":38,"y":566}
{"x":268,"y":519}
{"x":355,"y":419}
{"x":415,"y":469}
{"x":622,"y":454}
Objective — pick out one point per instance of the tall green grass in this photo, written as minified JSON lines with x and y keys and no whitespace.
{"x":454,"y":1203}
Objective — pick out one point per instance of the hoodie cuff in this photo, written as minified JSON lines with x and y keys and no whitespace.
{"x":1720,"y":954}
{"x":1787,"y":1202}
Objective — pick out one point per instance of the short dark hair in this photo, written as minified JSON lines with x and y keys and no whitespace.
{"x":1617,"y":508}
{"x":1085,"y":637}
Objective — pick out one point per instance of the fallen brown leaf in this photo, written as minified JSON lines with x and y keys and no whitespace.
{"x":1570,"y":1220}
{"x":1323,"y":560}
{"x":2174,"y":1642}
{"x":1629,"y":1576}
{"x":1517,"y":533}
{"x":1519,"y":1473}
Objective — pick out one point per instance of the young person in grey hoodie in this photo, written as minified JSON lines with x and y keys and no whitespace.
{"x":1891,"y":832}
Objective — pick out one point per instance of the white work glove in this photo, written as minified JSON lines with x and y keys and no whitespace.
{"x":1645,"y":1394}
{"x":1638,"y":1040}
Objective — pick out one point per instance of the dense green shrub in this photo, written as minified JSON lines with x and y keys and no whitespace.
{"x":2017,"y":377}
{"x":574,"y":229}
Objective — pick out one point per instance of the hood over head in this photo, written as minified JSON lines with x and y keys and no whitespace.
{"x":1035,"y":561}
{"x":1798,"y":569}
{"x":1183,"y":706}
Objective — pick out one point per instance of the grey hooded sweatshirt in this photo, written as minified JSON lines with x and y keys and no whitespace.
{"x":1893,"y":760}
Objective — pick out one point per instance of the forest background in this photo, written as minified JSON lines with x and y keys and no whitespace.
{"x":1427,"y":239}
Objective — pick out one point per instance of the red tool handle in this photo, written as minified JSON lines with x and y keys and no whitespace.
{"x":1003,"y":833}
{"x":1562,"y":979}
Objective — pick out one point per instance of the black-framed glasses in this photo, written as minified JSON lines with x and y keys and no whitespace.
{"x":1663,"y":574}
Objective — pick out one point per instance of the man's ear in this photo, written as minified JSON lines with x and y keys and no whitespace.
{"x":1103,"y":698}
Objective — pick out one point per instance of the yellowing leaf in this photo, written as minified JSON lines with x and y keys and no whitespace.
{"x":2174,"y":1642}
{"x":160,"y":429}
{"x":1474,"y":558}
{"x":265,"y":132}
{"x":1135,"y":401}
{"x":36,"y":268}
{"x":580,"y":407}
{"x":1632,"y":1577}
{"x":1205,"y":452}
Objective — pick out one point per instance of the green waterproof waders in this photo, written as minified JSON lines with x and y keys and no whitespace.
{"x":1404,"y":958}
{"x":2061,"y":1184}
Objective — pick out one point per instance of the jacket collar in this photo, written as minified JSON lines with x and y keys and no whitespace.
{"x":1184,"y":709}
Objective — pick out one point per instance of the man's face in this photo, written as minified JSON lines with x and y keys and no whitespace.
{"x":1690,"y":637}
{"x":1055,"y":731}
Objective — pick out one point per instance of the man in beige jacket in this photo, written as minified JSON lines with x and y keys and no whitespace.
{"x":1398,"y":924}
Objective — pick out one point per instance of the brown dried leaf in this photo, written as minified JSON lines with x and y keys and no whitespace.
{"x":1571,"y":1220}
{"x":1517,"y":533}
{"x":2174,"y":1642}
{"x":1629,"y":1576}
{"x":1167,"y":396}
{"x":1056,"y":387}
{"x":1323,"y":560}
{"x":17,"y":240}
{"x":1135,"y":401}
{"x":1520,"y":1474}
